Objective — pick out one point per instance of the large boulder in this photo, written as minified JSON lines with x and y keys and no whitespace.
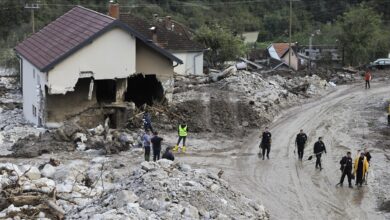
{"x":33,"y":173}
{"x":48,"y":171}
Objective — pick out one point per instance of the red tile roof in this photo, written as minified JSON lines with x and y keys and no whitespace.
{"x":167,"y":39}
{"x":70,"y":32}
{"x":282,"y":48}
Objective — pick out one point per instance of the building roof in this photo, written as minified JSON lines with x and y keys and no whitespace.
{"x":69,"y":33}
{"x":278,"y":50}
{"x":171,"y":40}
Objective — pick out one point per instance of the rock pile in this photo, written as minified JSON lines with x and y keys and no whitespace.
{"x":165,"y":190}
{"x":102,"y":190}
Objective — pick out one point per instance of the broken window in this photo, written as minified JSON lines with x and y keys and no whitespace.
{"x":105,"y":91}
{"x":34,"y":111}
{"x":144,"y":89}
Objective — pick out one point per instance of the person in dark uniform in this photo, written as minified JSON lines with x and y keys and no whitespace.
{"x":266,"y":142}
{"x":156,"y":143}
{"x":319,"y":148}
{"x":300,"y":142}
{"x":346,"y":169}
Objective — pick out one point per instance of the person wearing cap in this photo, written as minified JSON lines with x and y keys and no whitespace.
{"x":360,"y":169}
{"x":346,"y":169}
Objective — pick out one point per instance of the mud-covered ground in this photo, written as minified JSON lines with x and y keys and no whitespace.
{"x":348,"y":119}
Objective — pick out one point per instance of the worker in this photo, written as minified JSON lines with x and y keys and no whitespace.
{"x":147,"y":120}
{"x":266,"y":142}
{"x":182,"y":132}
{"x":168,"y":154}
{"x":156,"y":144}
{"x":388,"y":119}
{"x":346,"y":169}
{"x":319,"y":148}
{"x":367,"y":77}
{"x":360,"y":169}
{"x":146,"y":143}
{"x":300,"y":142}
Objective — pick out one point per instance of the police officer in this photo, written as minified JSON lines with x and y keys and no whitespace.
{"x":346,"y":169}
{"x":300,"y":142}
{"x":319,"y":148}
{"x":266,"y":142}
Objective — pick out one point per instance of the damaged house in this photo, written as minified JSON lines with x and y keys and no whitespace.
{"x":281,"y":54}
{"x":87,"y":60}
{"x":173,"y":37}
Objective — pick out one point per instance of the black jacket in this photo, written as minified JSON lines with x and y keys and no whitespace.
{"x":266,"y":139}
{"x":168,"y":155}
{"x":368,"y":156}
{"x":319,"y":147}
{"x":301,"y":139}
{"x":346,"y":164}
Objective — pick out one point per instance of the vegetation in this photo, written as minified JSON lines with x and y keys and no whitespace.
{"x":369,"y":18}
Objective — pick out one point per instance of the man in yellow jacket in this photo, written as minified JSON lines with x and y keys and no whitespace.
{"x":360,"y":169}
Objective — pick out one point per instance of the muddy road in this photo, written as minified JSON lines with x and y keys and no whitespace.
{"x":291,"y":189}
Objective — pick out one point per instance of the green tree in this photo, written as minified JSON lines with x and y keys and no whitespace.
{"x":360,"y":31}
{"x":223,"y":45}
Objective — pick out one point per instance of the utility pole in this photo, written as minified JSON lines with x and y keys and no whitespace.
{"x":289,"y":35}
{"x":32,"y":7}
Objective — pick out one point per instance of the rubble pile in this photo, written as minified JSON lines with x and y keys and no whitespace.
{"x":103,"y":190}
{"x":12,"y":124}
{"x":234,"y":99}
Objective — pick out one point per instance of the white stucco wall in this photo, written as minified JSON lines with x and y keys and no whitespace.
{"x":32,"y":84}
{"x":192,"y":63}
{"x":110,"y":56}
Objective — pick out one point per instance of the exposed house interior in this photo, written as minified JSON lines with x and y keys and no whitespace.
{"x":144,"y":89}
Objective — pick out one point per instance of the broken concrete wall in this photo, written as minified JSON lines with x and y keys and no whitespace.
{"x":111,"y":56}
{"x":61,"y":107}
{"x":150,"y":62}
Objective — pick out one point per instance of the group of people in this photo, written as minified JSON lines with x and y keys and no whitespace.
{"x":357,"y":169}
{"x":154,"y":142}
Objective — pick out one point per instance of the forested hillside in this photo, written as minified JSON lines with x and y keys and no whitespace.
{"x":269,"y":17}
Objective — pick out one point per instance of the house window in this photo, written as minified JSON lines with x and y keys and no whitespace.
{"x":34,"y":110}
{"x":34,"y":73}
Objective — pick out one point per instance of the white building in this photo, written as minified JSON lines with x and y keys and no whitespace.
{"x":86,"y":59}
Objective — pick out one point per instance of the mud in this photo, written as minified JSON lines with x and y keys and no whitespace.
{"x":285,"y":185}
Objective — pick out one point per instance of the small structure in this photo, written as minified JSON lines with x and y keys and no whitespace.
{"x":317,"y":54}
{"x":85,"y":59}
{"x":281,"y":52}
{"x":172,"y":36}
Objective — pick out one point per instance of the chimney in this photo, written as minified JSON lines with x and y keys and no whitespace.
{"x":168,"y":22}
{"x":113,"y":9}
{"x":154,"y":34}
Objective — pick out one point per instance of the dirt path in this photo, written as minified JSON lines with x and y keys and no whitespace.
{"x":294,"y":190}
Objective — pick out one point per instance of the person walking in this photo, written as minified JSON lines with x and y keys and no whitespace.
{"x":319,"y":148}
{"x":146,"y":143}
{"x":156,"y":144}
{"x":346,"y":169}
{"x":360,"y":169}
{"x":367,"y":78}
{"x":300,"y":142}
{"x":182,"y":132}
{"x":147,"y":120}
{"x":266,"y":142}
{"x":168,"y":154}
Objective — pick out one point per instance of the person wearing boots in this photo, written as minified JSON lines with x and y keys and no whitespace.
{"x":182,"y":132}
{"x":346,"y":169}
{"x":360,"y":169}
{"x":266,"y":142}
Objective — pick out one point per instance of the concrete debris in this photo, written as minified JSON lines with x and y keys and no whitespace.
{"x":162,"y":190}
